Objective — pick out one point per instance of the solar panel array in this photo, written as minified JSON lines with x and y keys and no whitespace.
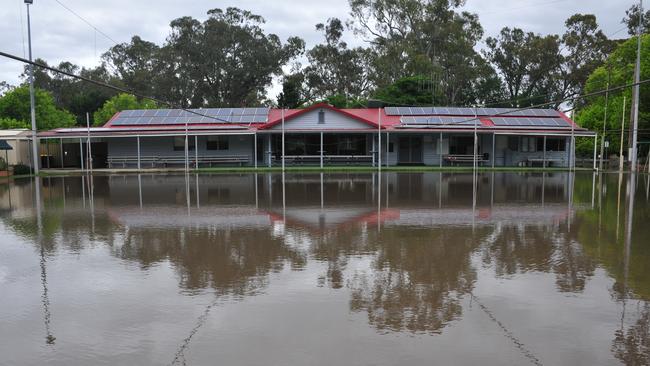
{"x":534,"y":122}
{"x":181,"y":117}
{"x":455,"y":111}
{"x":438,"y":120}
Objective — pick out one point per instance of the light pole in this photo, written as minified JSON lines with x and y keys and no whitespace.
{"x":35,"y":145}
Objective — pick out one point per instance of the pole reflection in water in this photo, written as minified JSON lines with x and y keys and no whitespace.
{"x":45,"y":299}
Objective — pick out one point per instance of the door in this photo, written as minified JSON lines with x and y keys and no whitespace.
{"x":410,"y":150}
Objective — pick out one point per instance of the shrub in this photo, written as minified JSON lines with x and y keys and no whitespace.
{"x":22,"y":169}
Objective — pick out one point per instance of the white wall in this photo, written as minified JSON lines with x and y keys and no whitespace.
{"x":333,"y":121}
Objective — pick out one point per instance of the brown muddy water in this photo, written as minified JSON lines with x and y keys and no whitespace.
{"x":333,"y":269}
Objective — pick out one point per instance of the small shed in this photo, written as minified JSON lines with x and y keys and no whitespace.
{"x":18,"y":140}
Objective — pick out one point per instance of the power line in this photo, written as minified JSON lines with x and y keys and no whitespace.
{"x":106,"y":85}
{"x":87,"y":22}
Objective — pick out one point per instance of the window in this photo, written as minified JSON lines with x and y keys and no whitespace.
{"x":528,"y":144}
{"x":321,"y":117}
{"x":390,"y":147}
{"x":513,"y":143}
{"x":217,"y":143}
{"x":555,"y":144}
{"x":179,"y":143}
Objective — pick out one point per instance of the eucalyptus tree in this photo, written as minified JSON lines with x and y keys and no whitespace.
{"x":431,"y":38}
{"x":227,"y":60}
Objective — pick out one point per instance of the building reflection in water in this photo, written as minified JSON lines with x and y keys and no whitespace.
{"x":417,"y":234}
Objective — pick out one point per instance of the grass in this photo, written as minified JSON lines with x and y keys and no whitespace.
{"x":302,"y":169}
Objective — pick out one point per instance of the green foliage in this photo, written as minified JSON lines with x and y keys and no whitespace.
{"x":3,"y":164}
{"x":10,"y":123}
{"x":412,"y":90}
{"x":120,"y":103}
{"x":15,"y":106}
{"x":22,"y":169}
{"x":76,"y":96}
{"x":619,"y":69}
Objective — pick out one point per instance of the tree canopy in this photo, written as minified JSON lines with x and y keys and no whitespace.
{"x":15,"y":110}
{"x":619,"y":70}
{"x":119,"y":103}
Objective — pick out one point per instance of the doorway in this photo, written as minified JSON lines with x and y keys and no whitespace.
{"x":410,"y":150}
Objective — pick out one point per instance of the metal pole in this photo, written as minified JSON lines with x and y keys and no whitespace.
{"x":440,"y":149}
{"x":544,"y":154}
{"x":475,"y":163}
{"x":595,"y":145}
{"x":621,"y":161}
{"x":255,"y":149}
{"x":138,"y":140}
{"x":61,"y":151}
{"x":81,"y":153}
{"x":494,"y":149}
{"x":90,"y":154}
{"x":321,"y":150}
{"x":602,"y":142}
{"x":283,"y":145}
{"x":187,"y":150}
{"x":637,"y":76}
{"x":196,"y":152}
{"x":32,"y":102}
{"x":379,"y":138}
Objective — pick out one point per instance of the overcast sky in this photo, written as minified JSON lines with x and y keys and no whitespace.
{"x":58,"y":35}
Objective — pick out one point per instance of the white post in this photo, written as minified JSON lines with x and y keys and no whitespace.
{"x":138,"y":140}
{"x":544,"y":154}
{"x":374,"y":150}
{"x":494,"y":149}
{"x":90,"y":153}
{"x":81,"y":153}
{"x":196,"y":152}
{"x":595,"y":145}
{"x":379,"y":139}
{"x":321,"y":150}
{"x":475,"y":141}
{"x":621,"y":161}
{"x":255,"y":150}
{"x":440,"y":149}
{"x":61,"y":152}
{"x":269,"y":152}
{"x":283,"y":140}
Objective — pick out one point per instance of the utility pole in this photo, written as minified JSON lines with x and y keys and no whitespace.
{"x":637,"y":78}
{"x":602,"y":138}
{"x":32,"y":102}
{"x":621,"y":160}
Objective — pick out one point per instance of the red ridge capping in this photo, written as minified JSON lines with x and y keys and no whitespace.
{"x":317,"y":106}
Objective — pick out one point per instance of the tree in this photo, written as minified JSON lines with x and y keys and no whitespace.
{"x":135,"y":64}
{"x":15,"y":105}
{"x":525,"y":61}
{"x":293,"y":92}
{"x":120,"y":103}
{"x":632,"y":20}
{"x":335,"y":69}
{"x":619,"y":69}
{"x":78,"y":97}
{"x":428,"y":38}
{"x":228,"y":60}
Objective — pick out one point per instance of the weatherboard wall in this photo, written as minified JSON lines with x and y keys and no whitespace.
{"x":164,"y":147}
{"x":333,"y":121}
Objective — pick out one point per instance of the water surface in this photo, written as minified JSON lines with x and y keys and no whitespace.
{"x":326,"y":269}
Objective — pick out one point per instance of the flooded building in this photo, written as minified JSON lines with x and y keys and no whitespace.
{"x":322,"y":135}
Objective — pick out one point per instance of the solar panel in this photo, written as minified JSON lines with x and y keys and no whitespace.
{"x":200,"y":116}
{"x":525,"y":121}
{"x":439,"y":120}
{"x":464,"y":111}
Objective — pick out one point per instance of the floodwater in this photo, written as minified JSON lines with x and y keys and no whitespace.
{"x":333,"y":269}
